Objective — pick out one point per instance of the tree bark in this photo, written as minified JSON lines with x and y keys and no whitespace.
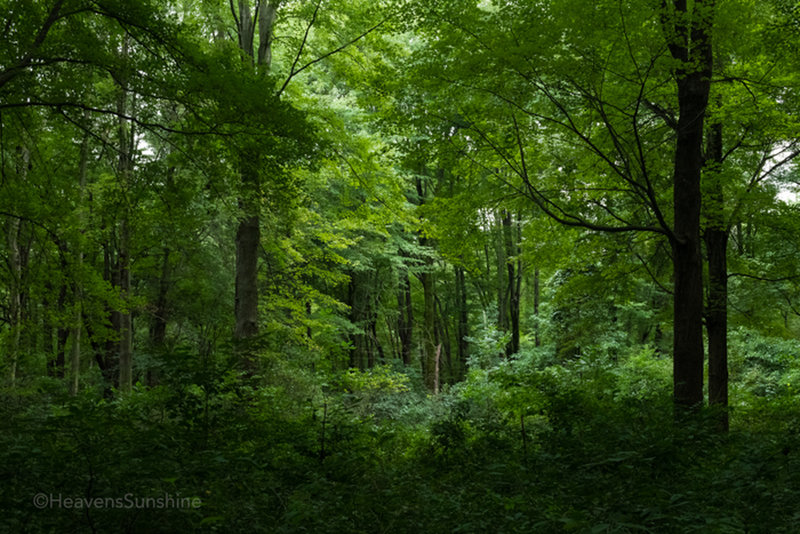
{"x":690,"y":44}
{"x":248,"y":234}
{"x":537,"y":337}
{"x":502,"y":271}
{"x":405,"y":320}
{"x":158,"y":326}
{"x":16,"y":263}
{"x":126,"y":314}
{"x":429,"y":340}
{"x":514,"y":281}
{"x":716,"y":239}
{"x":124,"y":169}
{"x":14,"y":298}
{"x":248,"y":237}
{"x":462,"y":321}
{"x":77,"y":289}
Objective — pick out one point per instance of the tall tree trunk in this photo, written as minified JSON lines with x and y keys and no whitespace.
{"x":77,"y":289}
{"x":502,"y":271}
{"x":689,"y":40}
{"x":61,"y":332}
{"x":16,"y":263}
{"x":126,"y":314}
{"x":358,"y":299}
{"x":158,"y":326}
{"x":462,"y":321}
{"x":14,"y":297}
{"x":716,"y":239}
{"x":124,"y":169}
{"x":514,"y":280}
{"x":405,"y":320}
{"x":429,"y":341}
{"x":248,"y":234}
{"x":537,"y":336}
{"x":443,"y":337}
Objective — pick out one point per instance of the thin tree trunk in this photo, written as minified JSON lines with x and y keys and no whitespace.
{"x":126,"y":315}
{"x":513,"y":282}
{"x":158,"y":327}
{"x":537,"y":337}
{"x":405,"y":321}
{"x":502,"y":272}
{"x":443,"y":334}
{"x":61,"y":332}
{"x":462,"y":324}
{"x":14,"y":304}
{"x":428,"y":325}
{"x":16,"y":262}
{"x":77,"y":290}
{"x":125,"y":168}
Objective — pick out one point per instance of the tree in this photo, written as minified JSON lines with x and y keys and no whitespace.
{"x":598,"y":93}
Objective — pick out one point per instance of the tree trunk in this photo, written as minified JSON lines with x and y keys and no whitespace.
{"x":16,"y":263}
{"x":716,"y":239}
{"x":158,"y":326}
{"x":126,"y":315}
{"x":462,"y":322}
{"x":690,"y":45}
{"x":513,"y":267}
{"x":537,"y":337}
{"x":77,"y":290}
{"x":502,"y":271}
{"x":358,"y":300}
{"x":14,"y":298}
{"x":405,"y":320}
{"x":125,"y":168}
{"x":443,"y":337}
{"x":429,"y":341}
{"x":248,"y":235}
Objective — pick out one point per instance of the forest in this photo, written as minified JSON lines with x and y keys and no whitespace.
{"x":366,"y":266}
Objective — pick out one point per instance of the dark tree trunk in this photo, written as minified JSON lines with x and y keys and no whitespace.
{"x":443,"y":335}
{"x":248,"y":235}
{"x":462,"y":322}
{"x":77,"y":289}
{"x":126,"y":316}
{"x":429,"y":341}
{"x":502,"y":272}
{"x":514,"y":282}
{"x":428,"y":331}
{"x":357,"y":341}
{"x":363,"y":315}
{"x":689,"y":39}
{"x":405,"y":320}
{"x":537,"y":337}
{"x":158,"y":326}
{"x":124,"y":170}
{"x":716,"y":239}
{"x":62,"y":333}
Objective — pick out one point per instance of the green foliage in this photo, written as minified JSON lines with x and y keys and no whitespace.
{"x":518,"y":446}
{"x":763,"y":366}
{"x":401,"y":177}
